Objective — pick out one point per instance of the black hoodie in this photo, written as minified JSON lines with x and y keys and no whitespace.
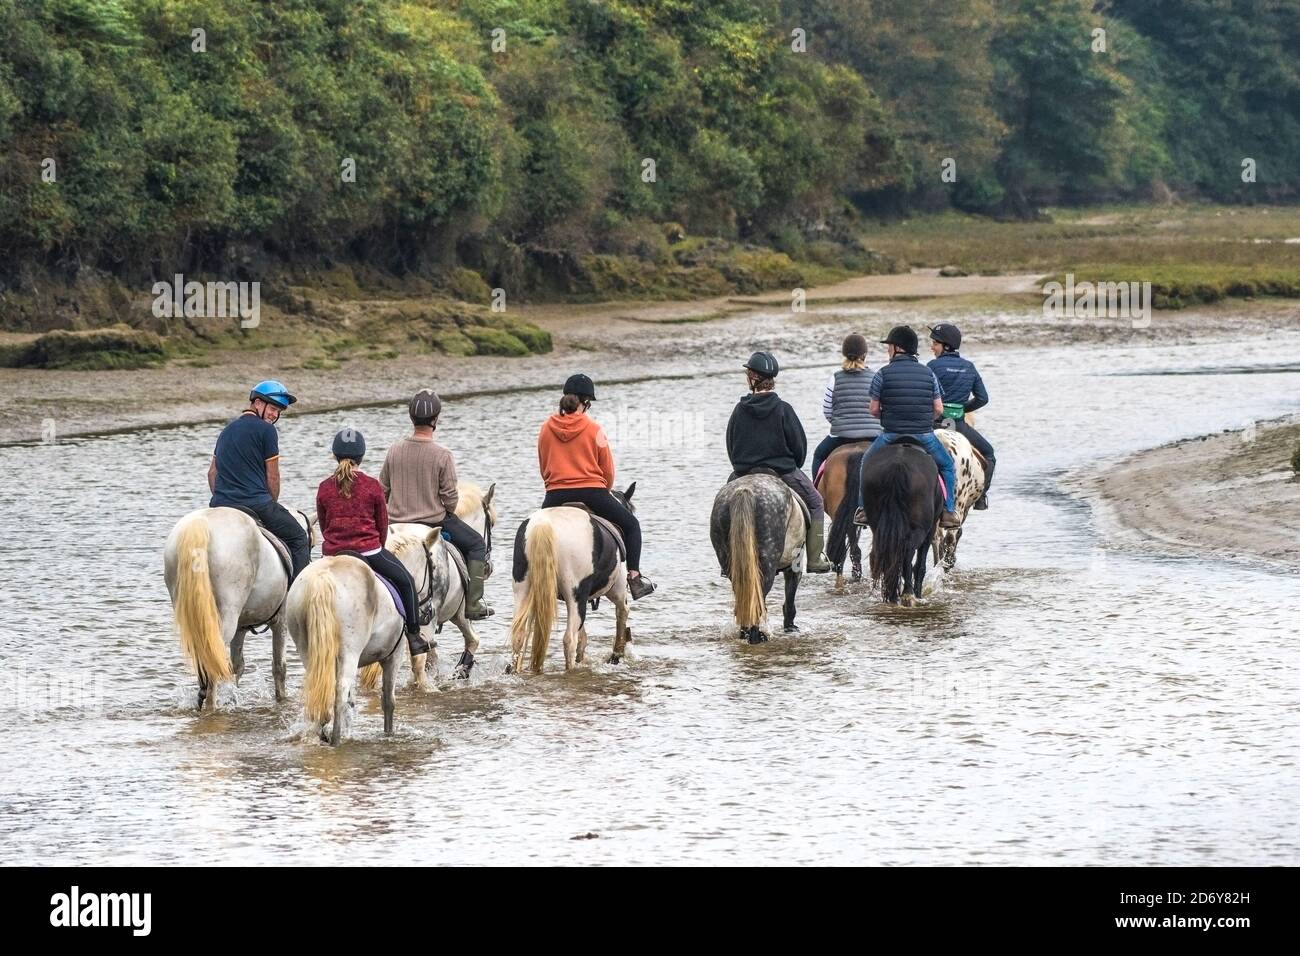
{"x":765,"y":431}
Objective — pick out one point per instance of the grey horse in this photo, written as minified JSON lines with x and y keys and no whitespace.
{"x":758,"y":527}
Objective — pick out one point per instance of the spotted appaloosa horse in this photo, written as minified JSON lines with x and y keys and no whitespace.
{"x":758,"y":527}
{"x":970,"y":485}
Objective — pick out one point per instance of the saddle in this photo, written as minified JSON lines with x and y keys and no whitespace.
{"x":608,"y":526}
{"x":280,"y":547}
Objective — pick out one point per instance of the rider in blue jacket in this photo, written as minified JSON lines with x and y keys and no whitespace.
{"x":905,"y":396}
{"x":963,"y":391}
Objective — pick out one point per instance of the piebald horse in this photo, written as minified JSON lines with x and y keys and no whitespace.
{"x":900,"y":493}
{"x":564,"y":554}
{"x":837,"y":480}
{"x":970,"y":486}
{"x":475,"y":507}
{"x":341,"y":617}
{"x":225,"y":579}
{"x":758,"y":527}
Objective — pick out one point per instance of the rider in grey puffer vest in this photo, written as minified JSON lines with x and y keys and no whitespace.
{"x":846,"y":403}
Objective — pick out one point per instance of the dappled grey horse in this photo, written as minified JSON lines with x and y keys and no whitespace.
{"x":759,"y":527}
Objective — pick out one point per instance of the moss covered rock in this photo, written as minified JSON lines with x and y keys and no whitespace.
{"x":116,"y":347}
{"x":490,"y":341}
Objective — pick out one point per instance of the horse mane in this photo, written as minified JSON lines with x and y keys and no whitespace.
{"x":401,"y":542}
{"x":471,"y":501}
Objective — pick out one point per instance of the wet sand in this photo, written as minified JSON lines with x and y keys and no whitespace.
{"x":1231,"y":495}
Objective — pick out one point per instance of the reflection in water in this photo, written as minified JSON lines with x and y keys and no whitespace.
{"x":1052,"y":701}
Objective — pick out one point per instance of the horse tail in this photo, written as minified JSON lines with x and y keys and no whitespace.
{"x":837,"y":543}
{"x":324,"y":637}
{"x":742,"y":548}
{"x":368,"y":676}
{"x":538,"y":611}
{"x":195,"y":612}
{"x":889,"y":536}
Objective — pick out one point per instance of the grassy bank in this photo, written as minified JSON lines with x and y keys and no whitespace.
{"x":1190,"y":254}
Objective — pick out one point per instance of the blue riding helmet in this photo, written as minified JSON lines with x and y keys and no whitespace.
{"x":273,"y":392}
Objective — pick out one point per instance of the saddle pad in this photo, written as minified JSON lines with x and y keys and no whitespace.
{"x":392,"y":592}
{"x":458,"y":560}
{"x":614,"y":533}
{"x":280,"y":548}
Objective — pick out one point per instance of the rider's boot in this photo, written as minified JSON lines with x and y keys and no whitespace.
{"x":475,"y":608}
{"x":817,"y":563}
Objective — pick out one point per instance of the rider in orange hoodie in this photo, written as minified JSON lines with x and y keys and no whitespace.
{"x":577,"y":465}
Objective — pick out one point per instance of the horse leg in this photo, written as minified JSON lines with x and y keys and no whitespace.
{"x":571,"y":625}
{"x":582,"y":643}
{"x":279,"y":671}
{"x":342,"y":692}
{"x":466,"y":662}
{"x":787,"y":609}
{"x":237,"y":653}
{"x":621,"y":632}
{"x":390,"y":689}
{"x":855,"y":551}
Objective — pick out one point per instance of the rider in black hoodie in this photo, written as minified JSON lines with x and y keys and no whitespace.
{"x":765,"y":432}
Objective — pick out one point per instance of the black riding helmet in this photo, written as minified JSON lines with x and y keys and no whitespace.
{"x":580,"y":385}
{"x":764,"y":364}
{"x":904,"y":337}
{"x":854,"y":347}
{"x":945,"y":333}
{"x":350,"y":443}
{"x":425,"y":406}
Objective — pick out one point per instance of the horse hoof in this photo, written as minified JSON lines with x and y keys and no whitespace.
{"x":792,"y":628}
{"x":463,"y":666}
{"x":755,"y":636}
{"x":510,"y":668}
{"x":614,"y":659}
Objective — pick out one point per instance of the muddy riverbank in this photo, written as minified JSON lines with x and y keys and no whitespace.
{"x":614,"y":341}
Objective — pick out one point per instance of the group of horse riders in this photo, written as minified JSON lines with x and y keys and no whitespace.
{"x":417,"y":482}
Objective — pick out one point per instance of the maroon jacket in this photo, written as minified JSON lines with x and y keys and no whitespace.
{"x":359,"y":523}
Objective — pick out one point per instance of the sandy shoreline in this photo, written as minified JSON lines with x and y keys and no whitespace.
{"x":1230,"y":495}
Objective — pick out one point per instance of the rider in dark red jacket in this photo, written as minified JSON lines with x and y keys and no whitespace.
{"x":354,"y":517}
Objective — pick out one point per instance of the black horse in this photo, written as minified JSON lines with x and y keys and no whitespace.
{"x":901,"y":496}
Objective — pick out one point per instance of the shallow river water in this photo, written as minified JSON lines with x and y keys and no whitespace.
{"x":1053,"y":701}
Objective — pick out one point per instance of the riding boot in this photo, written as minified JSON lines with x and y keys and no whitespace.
{"x":640,"y":586}
{"x":983,"y":503}
{"x":475,"y":609}
{"x":817,"y":563}
{"x":949,"y":519}
{"x":413,"y":638}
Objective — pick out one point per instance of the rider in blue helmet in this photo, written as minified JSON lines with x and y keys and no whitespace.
{"x":963,"y":392}
{"x":245,"y":468}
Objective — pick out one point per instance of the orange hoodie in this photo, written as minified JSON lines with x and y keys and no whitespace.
{"x":574,"y":453}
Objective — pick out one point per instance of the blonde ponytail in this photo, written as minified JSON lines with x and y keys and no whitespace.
{"x":345,"y":475}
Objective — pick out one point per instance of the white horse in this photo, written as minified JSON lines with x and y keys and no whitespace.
{"x":970,"y":486}
{"x":225,"y":579}
{"x":342,"y":617}
{"x":476,"y":508}
{"x":562,"y":553}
